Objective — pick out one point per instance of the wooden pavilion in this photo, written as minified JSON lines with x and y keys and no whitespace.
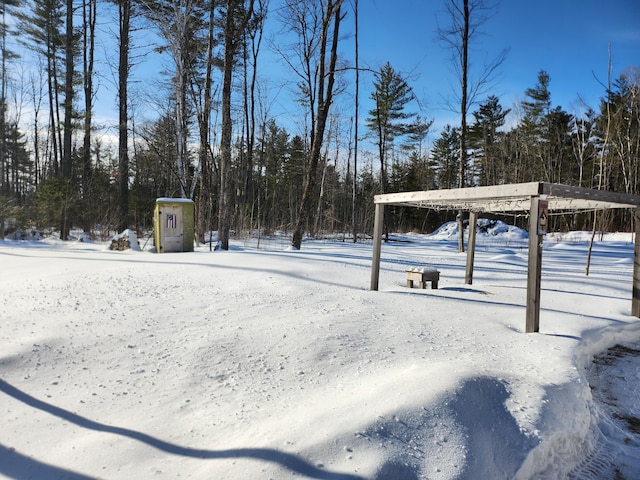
{"x":537,"y":198}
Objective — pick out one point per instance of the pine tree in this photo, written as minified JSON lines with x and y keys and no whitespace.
{"x":6,"y":54}
{"x":484,"y":138}
{"x":535,"y":127}
{"x":558,"y":163}
{"x":388,"y":119}
{"x":445,"y":157}
{"x":42,"y":32}
{"x":546,"y":133}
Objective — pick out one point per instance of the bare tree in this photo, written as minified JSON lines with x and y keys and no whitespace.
{"x":354,"y":192}
{"x":204,"y":108}
{"x":602,"y":159}
{"x":251,"y":50}
{"x":582,"y":145}
{"x":179,"y":23}
{"x":89,"y":10}
{"x":124,"y":37}
{"x":465,"y":19}
{"x":316,"y":26}
{"x":237,"y":17}
{"x":625,"y":139}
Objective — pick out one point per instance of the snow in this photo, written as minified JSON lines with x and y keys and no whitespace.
{"x":173,"y":200}
{"x":130,"y":235}
{"x":275,"y":363}
{"x":422,"y":269}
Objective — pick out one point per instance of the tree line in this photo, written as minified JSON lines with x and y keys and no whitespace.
{"x":214,"y":140}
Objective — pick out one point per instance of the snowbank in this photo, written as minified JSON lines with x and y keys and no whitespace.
{"x":275,"y":364}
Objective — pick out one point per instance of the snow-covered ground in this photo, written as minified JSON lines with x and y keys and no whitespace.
{"x":272,"y":364}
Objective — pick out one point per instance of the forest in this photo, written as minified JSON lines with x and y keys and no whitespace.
{"x":213,"y":139}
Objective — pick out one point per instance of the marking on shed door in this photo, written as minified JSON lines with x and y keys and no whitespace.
{"x":172,"y":237}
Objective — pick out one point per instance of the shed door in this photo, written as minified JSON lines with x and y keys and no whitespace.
{"x":172,"y":228}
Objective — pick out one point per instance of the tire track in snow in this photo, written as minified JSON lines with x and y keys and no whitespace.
{"x":614,"y":379}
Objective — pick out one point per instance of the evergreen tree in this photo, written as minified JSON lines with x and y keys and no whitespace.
{"x":294,"y":175}
{"x":154,"y":164}
{"x":484,"y":138}
{"x":19,"y":167}
{"x":445,"y":157}
{"x":273,"y":185}
{"x":537,"y":107}
{"x":41,"y":26}
{"x":6,"y":54}
{"x":558,"y":164}
{"x":546,"y":133}
{"x":535,"y":127}
{"x":417,"y":133}
{"x":388,"y":119}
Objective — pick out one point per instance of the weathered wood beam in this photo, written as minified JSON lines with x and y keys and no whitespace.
{"x":534,"y":271}
{"x":455,"y":195}
{"x":635,"y":296}
{"x":512,"y":198}
{"x":471,"y":247}
{"x":557,"y":192}
{"x":377,"y":246}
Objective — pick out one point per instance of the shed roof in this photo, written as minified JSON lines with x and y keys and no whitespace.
{"x":512,"y":198}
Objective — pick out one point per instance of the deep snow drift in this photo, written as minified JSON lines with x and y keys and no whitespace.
{"x":275,"y":364}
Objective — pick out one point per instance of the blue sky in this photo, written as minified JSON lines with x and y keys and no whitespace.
{"x":567,"y":38}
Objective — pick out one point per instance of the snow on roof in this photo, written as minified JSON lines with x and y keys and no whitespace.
{"x":512,"y":198}
{"x":173,"y":200}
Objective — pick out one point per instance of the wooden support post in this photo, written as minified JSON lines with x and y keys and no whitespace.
{"x":471,"y":247}
{"x":377,"y":245}
{"x":635,"y":299}
{"x":534,"y":271}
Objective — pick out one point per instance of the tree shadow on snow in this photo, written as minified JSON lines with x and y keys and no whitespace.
{"x":496,"y":447}
{"x":17,"y":465}
{"x":288,"y":461}
{"x":396,"y":471}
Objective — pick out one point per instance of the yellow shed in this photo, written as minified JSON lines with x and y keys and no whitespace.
{"x":173,"y":222}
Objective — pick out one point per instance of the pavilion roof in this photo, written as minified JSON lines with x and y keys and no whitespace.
{"x":512,"y":198}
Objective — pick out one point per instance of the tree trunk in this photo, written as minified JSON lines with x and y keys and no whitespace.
{"x":89,"y":14}
{"x":224,"y":196}
{"x":67,"y":159}
{"x":325,"y":97}
{"x":250,"y":85}
{"x":181,"y":120}
{"x":52,"y":86}
{"x":463,"y":117}
{"x":354,"y":193}
{"x":601,"y":166}
{"x":124,"y":7}
{"x":204,"y":122}
{"x":231,"y":34}
{"x":4,"y":185}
